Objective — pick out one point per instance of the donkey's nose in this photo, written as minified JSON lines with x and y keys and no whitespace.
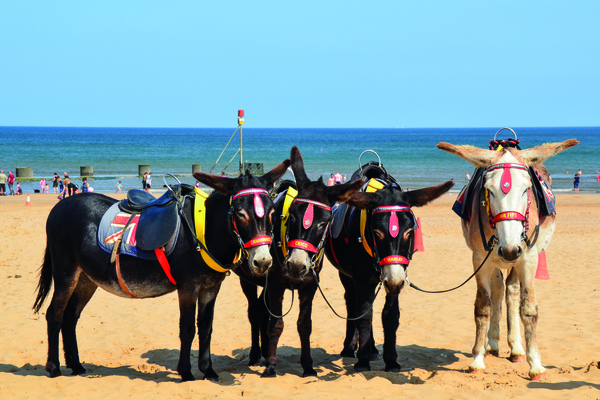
{"x":510,"y":253}
{"x":261,"y":264}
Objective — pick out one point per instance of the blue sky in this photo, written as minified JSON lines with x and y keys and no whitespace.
{"x":300,"y":64}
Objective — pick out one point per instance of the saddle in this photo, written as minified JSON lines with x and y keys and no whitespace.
{"x":371,"y":170}
{"x":159,"y":217}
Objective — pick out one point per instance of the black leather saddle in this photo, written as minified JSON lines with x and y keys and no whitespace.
{"x":159,"y":217}
{"x":370,"y":170}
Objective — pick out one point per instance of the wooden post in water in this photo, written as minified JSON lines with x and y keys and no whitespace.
{"x":143,"y":168}
{"x":24,"y":172}
{"x":86,"y":171}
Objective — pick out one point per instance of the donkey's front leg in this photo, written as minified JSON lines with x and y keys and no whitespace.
{"x":306,"y":297}
{"x":513,"y":300}
{"x":365,"y":295}
{"x":483,"y":308}
{"x":497,"y":285}
{"x":206,"y":313}
{"x":390,"y":318}
{"x":254,"y":306}
{"x":529,"y":317}
{"x":187,"y":329}
{"x":275,"y":329}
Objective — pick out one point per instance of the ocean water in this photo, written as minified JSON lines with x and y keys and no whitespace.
{"x":409,"y":155}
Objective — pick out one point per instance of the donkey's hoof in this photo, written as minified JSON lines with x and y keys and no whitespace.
{"x":517,"y":358}
{"x":187,"y":376}
{"x":537,"y":377}
{"x":309,"y":372}
{"x":362,"y":367}
{"x":79,"y":370}
{"x":53,"y":370}
{"x":393,"y":367}
{"x":269,"y":372}
{"x":493,"y":353}
{"x":211,"y":375}
{"x":348,"y":353}
{"x":476,"y":370}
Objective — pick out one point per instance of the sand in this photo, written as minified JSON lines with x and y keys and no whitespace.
{"x":130,"y":347}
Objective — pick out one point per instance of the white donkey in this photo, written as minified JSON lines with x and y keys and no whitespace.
{"x":505,"y":209}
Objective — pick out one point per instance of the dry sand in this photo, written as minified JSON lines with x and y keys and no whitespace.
{"x":130,"y":347}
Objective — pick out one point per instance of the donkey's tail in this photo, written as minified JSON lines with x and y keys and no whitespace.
{"x":45,"y":282}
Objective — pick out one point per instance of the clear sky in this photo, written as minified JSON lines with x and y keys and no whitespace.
{"x":303,"y":63}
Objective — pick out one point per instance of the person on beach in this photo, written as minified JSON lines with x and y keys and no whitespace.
{"x":598,"y":177}
{"x":467,"y":176}
{"x":337,"y":178}
{"x":2,"y":183}
{"x":55,"y":183}
{"x":47,"y":188}
{"x":331,"y":180}
{"x":19,"y":191}
{"x":576,"y":181}
{"x":70,"y":188}
{"x":10,"y":180}
{"x":85,"y":186}
{"x":144,"y":181}
{"x":118,"y":186}
{"x":149,"y":182}
{"x":42,"y":185}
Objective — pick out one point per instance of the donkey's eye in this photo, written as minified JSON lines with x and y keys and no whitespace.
{"x":379,"y":234}
{"x":491,"y":194}
{"x":241,"y":215}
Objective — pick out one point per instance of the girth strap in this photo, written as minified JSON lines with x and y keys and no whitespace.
{"x":120,"y":278}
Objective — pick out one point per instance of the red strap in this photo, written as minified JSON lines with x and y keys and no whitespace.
{"x":508,"y":215}
{"x":162,"y":260}
{"x":302,"y":244}
{"x":394,"y":260}
{"x":120,"y":278}
{"x":258,"y":241}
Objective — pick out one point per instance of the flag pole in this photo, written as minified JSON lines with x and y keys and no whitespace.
{"x":240,"y":124}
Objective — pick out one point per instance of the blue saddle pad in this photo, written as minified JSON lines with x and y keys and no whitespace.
{"x":112,"y":225}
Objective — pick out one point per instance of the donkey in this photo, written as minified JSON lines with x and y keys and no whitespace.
{"x":305,"y":211}
{"x":507,"y":210}
{"x":238,"y":211}
{"x":376,"y":245}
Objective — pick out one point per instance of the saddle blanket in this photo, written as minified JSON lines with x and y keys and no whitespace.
{"x":111,"y":226}
{"x":463,"y":204}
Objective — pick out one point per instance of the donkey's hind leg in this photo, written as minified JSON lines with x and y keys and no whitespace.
{"x":513,"y":322}
{"x":351,"y":338}
{"x":82,"y":294}
{"x":63,"y":289}
{"x":497,"y":286}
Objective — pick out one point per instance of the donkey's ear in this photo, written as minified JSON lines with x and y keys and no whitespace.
{"x":343,"y":192}
{"x":297,"y":164}
{"x":420,"y":197}
{"x":476,"y":156}
{"x":364,"y":200}
{"x":273,"y":175}
{"x":221,"y":184}
{"x":537,"y":155}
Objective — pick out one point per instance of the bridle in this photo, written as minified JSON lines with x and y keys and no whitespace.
{"x":307,"y":221}
{"x":259,"y":210}
{"x":506,"y":186}
{"x":393,"y":229}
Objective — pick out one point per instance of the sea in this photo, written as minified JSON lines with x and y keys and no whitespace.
{"x":409,"y":154}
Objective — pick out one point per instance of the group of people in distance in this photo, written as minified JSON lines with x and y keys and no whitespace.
{"x":10,"y":180}
{"x":336,"y":179}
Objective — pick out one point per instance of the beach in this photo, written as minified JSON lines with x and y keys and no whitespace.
{"x":130,"y":347}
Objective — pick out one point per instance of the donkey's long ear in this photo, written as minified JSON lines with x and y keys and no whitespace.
{"x":420,"y":197}
{"x":476,"y":156}
{"x":539,"y":154}
{"x":298,"y":167}
{"x":273,"y":175}
{"x":221,"y":184}
{"x":343,"y":192}
{"x":364,"y":200}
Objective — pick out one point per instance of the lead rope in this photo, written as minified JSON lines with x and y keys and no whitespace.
{"x":491,"y":245}
{"x":335,"y":312}
{"x":265,"y":299}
